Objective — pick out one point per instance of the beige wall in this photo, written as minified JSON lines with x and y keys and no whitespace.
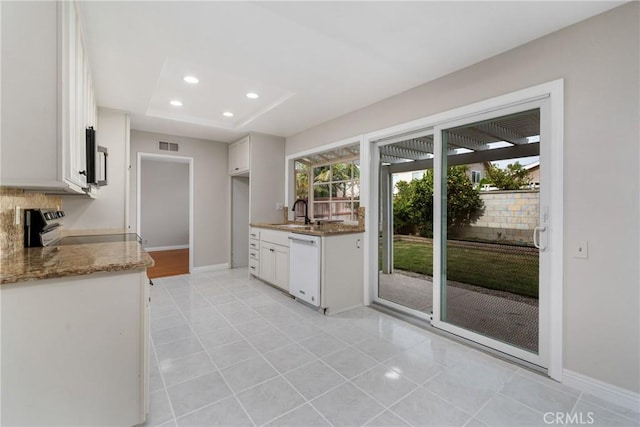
{"x":211,"y":191}
{"x":108,"y":210}
{"x":599,"y":62}
{"x":164,"y":219}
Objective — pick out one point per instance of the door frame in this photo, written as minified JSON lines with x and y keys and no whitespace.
{"x":542,"y":357}
{"x":167,"y":158}
{"x":554,"y":166}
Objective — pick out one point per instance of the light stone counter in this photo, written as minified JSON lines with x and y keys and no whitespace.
{"x":72,"y":260}
{"x":324,"y":230}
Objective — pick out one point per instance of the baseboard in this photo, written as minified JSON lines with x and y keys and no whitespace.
{"x":342,"y":310}
{"x":213,"y":267}
{"x":166,"y":248}
{"x":604,"y":391}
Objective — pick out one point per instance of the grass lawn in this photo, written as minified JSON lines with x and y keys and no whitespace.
{"x":510,"y":272}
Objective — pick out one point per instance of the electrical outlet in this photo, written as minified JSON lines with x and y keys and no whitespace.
{"x":581,"y":250}
{"x":18,"y":216}
{"x":279,"y":206}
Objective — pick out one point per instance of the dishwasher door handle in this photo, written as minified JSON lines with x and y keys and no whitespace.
{"x":296,"y":239}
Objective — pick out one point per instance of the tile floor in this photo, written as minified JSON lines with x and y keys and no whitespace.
{"x":231,"y":351}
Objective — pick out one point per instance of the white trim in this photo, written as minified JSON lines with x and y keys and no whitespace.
{"x":289,"y":171}
{"x":127,"y":175}
{"x":556,"y":222}
{"x":481,"y":107}
{"x":403,"y":309}
{"x":332,"y":145}
{"x":212,"y":267}
{"x":605,"y":391}
{"x":367,"y":200}
{"x":166,"y":248}
{"x":170,"y":158}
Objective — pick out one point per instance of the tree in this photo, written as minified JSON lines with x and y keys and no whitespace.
{"x":413,"y":203}
{"x":341,"y":176}
{"x":514,"y":177}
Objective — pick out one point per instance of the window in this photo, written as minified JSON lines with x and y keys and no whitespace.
{"x":302,"y":180}
{"x":334,"y":192}
{"x":476,"y":176}
{"x":417,"y":175}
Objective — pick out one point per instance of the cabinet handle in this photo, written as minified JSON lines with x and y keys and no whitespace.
{"x":252,"y":254}
{"x":236,"y":168}
{"x":82,"y":172}
{"x":272,"y":250}
{"x":253,"y":268}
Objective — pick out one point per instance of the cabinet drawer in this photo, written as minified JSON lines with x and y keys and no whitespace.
{"x":276,"y":237}
{"x":254,"y":245}
{"x":254,"y":233}
{"x":254,"y":253}
{"x":254,"y":267}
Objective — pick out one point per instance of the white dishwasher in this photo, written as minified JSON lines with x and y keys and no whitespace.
{"x":304,"y":267}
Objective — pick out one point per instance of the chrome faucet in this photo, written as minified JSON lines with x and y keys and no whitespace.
{"x":306,"y":211}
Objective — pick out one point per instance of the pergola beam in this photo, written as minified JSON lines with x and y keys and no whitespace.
{"x":514,"y":152}
{"x":401,"y":152}
{"x":502,"y":133}
{"x":460,"y":141}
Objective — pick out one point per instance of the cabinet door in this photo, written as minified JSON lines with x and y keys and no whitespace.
{"x":233,"y":158}
{"x":239,"y":157}
{"x":77,"y":92}
{"x":282,"y":268}
{"x":267,"y":263}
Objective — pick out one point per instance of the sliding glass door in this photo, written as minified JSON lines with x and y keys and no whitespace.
{"x":490,"y":213}
{"x":405,"y":274}
{"x":462,"y":227}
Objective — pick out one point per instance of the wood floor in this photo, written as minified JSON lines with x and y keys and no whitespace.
{"x":169,"y":263}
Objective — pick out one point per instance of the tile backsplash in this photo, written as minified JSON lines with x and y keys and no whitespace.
{"x":11,"y":235}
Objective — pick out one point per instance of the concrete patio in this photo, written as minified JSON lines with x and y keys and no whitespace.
{"x":500,"y":315}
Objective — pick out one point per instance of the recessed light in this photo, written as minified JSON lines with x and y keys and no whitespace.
{"x":191,"y":79}
{"x":253,"y":95}
{"x":227,"y":114}
{"x":176,"y":103}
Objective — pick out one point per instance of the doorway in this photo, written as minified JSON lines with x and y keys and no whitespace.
{"x":164,"y":213}
{"x":239,"y":221}
{"x":464,"y":205}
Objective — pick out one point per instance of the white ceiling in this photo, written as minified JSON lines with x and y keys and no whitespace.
{"x":310,"y":61}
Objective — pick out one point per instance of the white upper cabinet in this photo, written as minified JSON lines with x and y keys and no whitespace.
{"x":47,"y":97}
{"x":239,"y":157}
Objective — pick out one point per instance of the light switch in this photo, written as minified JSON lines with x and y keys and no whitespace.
{"x":581,"y":249}
{"x":18,"y":216}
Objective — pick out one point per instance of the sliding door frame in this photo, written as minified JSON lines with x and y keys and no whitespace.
{"x":439,"y":304}
{"x":554,"y":91}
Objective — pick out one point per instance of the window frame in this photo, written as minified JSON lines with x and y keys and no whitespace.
{"x":353,"y":181}
{"x":354,"y":162}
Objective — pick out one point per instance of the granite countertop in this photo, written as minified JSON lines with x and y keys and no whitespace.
{"x":72,"y":260}
{"x":325,"y":229}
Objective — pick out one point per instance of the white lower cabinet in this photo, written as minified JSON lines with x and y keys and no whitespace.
{"x":274,"y":264}
{"x":269,"y":257}
{"x":340,"y":272}
{"x":341,"y":277}
{"x":75,"y":350}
